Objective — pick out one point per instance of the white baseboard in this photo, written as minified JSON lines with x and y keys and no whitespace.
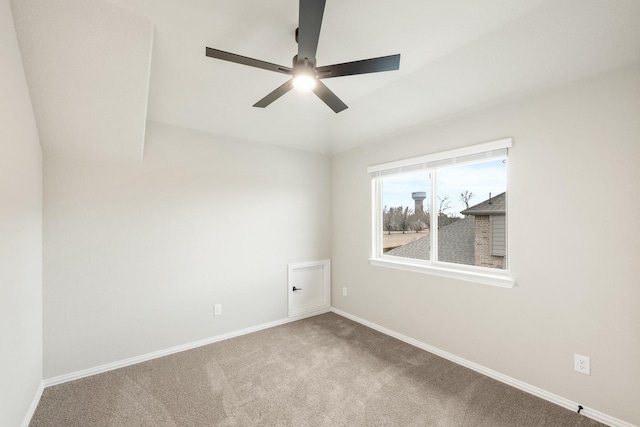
{"x":310,"y":314}
{"x":536,"y":391}
{"x":558,"y":400}
{"x":154,"y":355}
{"x":34,"y":404}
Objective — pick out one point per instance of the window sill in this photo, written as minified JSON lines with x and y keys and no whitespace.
{"x":499,"y":278}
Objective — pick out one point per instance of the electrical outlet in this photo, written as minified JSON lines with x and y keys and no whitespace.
{"x":217,"y":309}
{"x":344,"y":291}
{"x":582,"y":364}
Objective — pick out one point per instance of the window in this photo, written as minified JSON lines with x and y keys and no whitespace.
{"x":444,"y":213}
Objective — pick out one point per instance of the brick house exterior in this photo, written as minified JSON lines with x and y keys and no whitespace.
{"x":482,"y":244}
{"x":489,"y":231}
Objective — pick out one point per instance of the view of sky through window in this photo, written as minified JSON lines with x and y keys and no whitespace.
{"x":479,"y":179}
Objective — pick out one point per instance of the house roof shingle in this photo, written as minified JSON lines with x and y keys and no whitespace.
{"x":455,"y":244}
{"x":493,"y":206}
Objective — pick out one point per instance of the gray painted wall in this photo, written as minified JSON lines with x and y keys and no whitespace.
{"x":20,"y":234}
{"x":575,"y":240}
{"x":135,"y":257}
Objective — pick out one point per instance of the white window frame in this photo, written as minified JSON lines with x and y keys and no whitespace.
{"x":489,"y":276}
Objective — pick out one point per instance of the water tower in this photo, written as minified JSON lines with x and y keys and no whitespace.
{"x":419,"y":197}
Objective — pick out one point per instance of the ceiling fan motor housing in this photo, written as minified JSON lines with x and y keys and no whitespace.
{"x":303,"y":66}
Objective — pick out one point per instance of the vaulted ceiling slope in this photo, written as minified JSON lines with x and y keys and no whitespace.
{"x":87,"y":65}
{"x":98,"y":70}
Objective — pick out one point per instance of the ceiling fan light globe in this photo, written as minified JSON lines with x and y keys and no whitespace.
{"x":304,"y":83}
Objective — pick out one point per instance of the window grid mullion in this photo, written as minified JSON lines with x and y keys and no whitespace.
{"x":433,"y":218}
{"x":376,"y":217}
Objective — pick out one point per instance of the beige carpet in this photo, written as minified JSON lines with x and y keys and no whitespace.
{"x":321,"y":371}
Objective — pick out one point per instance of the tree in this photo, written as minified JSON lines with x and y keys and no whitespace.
{"x":445,"y":205}
{"x":419,"y":224}
{"x":395,"y":219}
{"x":445,"y":218}
{"x":403,"y":218}
{"x":465,"y":197}
{"x":419,"y":220}
{"x":387,"y":221}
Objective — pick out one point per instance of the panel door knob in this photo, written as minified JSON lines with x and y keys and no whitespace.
{"x":296,"y":289}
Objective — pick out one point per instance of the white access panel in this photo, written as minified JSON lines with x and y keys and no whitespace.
{"x":308,"y":287}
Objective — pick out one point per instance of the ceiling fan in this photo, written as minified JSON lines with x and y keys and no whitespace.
{"x":305,"y":74}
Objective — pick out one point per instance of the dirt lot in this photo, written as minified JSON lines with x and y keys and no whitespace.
{"x":396,"y":238}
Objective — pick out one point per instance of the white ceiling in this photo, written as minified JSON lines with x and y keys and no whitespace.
{"x":456,"y":55}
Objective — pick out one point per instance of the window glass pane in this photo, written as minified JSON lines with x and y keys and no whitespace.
{"x":405,"y":215}
{"x":471,"y":214}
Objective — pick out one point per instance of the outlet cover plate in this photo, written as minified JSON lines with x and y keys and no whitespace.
{"x":582,"y":364}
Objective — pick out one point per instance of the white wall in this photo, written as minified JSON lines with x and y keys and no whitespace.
{"x":20,"y":234}
{"x":575,"y":240}
{"x":135,"y":257}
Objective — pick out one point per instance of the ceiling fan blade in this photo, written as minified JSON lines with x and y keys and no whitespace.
{"x":329,"y":97}
{"x":239,"y":59}
{"x":286,"y":87}
{"x":373,"y":65}
{"x":309,"y":23}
